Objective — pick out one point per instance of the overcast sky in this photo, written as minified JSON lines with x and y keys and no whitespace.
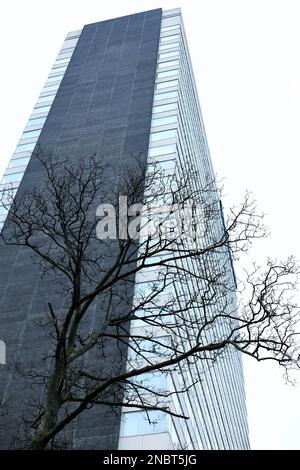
{"x":245,"y":55}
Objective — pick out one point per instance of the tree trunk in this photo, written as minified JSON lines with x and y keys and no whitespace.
{"x":42,"y":436}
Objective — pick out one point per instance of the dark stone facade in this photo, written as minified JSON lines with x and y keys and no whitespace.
{"x":103,"y":105}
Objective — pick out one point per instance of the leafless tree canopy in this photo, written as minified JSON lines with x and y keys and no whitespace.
{"x":168,"y":297}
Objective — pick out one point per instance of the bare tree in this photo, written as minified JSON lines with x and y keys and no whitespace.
{"x":161,"y":278}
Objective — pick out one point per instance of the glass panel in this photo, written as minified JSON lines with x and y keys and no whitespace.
{"x":35,"y":121}
{"x":30,"y":134}
{"x":46,"y":98}
{"x":162,"y":150}
{"x":166,"y":165}
{"x":162,"y":47}
{"x":170,"y":37}
{"x":167,"y":55}
{"x":61,"y":68}
{"x":162,"y":200}
{"x":144,"y":289}
{"x":167,"y":84}
{"x":152,"y":380}
{"x":25,"y":147}
{"x":51,"y":88}
{"x":48,"y":94}
{"x":163,"y":135}
{"x":153,"y":259}
{"x":168,"y":28}
{"x":165,"y":107}
{"x":11,"y":192}
{"x":163,"y":121}
{"x":66,"y":49}
{"x":62,"y":61}
{"x":64,"y":55}
{"x":4,"y":210}
{"x":166,"y":96}
{"x":153,"y":313}
{"x":12,"y":178}
{"x":149,"y":348}
{"x":74,"y":36}
{"x":169,"y":63}
{"x":137,"y":422}
{"x":19,"y":162}
{"x":43,"y":109}
{"x":56,"y":77}
{"x":168,"y":73}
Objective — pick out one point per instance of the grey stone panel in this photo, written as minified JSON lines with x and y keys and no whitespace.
{"x":103,"y":106}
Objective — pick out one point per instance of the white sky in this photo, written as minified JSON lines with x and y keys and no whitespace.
{"x":245,"y":55}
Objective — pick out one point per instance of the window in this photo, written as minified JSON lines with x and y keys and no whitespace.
{"x":166,"y":165}
{"x":140,"y":314}
{"x":4,"y":209}
{"x":72,"y":39}
{"x":153,"y":380}
{"x":139,"y":422}
{"x":151,"y":260}
{"x":50,"y":88}
{"x":58,"y":71}
{"x":166,"y":96}
{"x":19,"y":162}
{"x":65,"y":60}
{"x":11,"y":193}
{"x":170,"y":38}
{"x":161,"y":199}
{"x":169,"y":63}
{"x":145,"y":289}
{"x":56,"y":77}
{"x":163,"y":121}
{"x":66,"y":49}
{"x":13,"y":178}
{"x":31,"y":134}
{"x":64,"y":55}
{"x":162,"y":47}
{"x":165,"y":107}
{"x":167,"y":84}
{"x":36,"y":121}
{"x":46,"y":98}
{"x":42,"y":109}
{"x":157,"y":346}
{"x":168,"y":55}
{"x":169,"y":28}
{"x":152,"y":315}
{"x":76,"y":35}
{"x":25,"y":147}
{"x":60,"y":68}
{"x":162,"y":150}
{"x":168,"y":73}
{"x":163,"y":135}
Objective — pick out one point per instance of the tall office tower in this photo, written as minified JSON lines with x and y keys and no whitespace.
{"x":117,"y":88}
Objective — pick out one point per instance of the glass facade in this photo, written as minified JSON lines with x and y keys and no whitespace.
{"x":216,"y":404}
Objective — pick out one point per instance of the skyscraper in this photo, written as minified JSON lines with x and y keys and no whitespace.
{"x":119,"y":87}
